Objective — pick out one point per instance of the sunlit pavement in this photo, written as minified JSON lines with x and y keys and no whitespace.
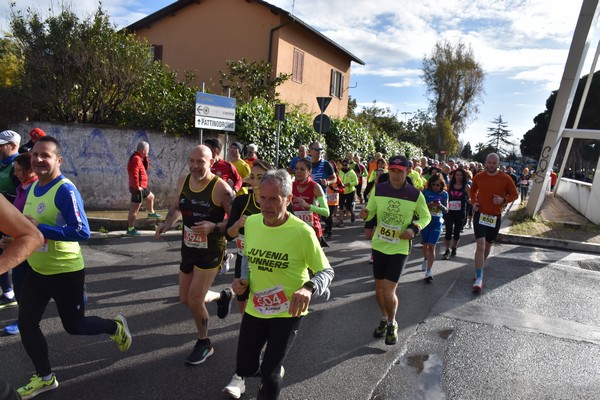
{"x":534,"y":331}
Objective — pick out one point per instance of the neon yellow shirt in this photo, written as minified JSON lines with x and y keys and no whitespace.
{"x":279,"y":258}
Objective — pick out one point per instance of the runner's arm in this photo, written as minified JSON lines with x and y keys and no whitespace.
{"x":174,"y":214}
{"x":321,"y":207}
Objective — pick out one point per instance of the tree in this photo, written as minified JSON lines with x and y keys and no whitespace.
{"x":251,"y":79}
{"x":77,"y":71}
{"x":466,"y":152}
{"x":454,"y":80}
{"x":498,"y":135}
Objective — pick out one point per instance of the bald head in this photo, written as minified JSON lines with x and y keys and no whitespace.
{"x":200,"y":161}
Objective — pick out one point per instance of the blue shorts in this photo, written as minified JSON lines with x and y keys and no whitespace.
{"x":432,"y":232}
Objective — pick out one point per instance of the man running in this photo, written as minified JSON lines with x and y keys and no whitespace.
{"x":490,"y":191}
{"x":400,"y":211}
{"x":55,"y":206}
{"x":202,"y":200}
{"x":281,"y":249}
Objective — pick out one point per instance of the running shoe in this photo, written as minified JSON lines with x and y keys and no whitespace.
{"x":446,"y":254}
{"x":381,"y":329}
{"x":236,"y":387}
{"x":200,"y":353}
{"x":133,"y":232}
{"x":37,"y":386}
{"x":224,"y":303}
{"x":352,"y":217}
{"x":391,"y":334}
{"x":453,"y":253}
{"x":478,"y":285}
{"x":153,"y":215}
{"x":225,"y":264}
{"x":429,"y":275}
{"x":122,"y":337}
{"x":7,"y":302}
{"x":11,"y":329}
{"x":340,"y":224}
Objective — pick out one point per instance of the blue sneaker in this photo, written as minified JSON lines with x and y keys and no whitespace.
{"x":11,"y":329}
{"x":133,"y":232}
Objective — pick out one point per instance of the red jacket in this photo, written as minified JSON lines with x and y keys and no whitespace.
{"x":226,"y":171}
{"x":136,"y":169}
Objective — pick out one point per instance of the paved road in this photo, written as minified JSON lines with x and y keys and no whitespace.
{"x":533,"y":333}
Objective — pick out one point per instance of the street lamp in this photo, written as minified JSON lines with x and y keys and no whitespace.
{"x":405,"y":114}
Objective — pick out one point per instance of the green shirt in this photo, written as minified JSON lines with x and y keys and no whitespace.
{"x":279,"y":259}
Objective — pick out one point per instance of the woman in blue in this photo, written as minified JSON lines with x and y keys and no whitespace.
{"x":437,"y":202}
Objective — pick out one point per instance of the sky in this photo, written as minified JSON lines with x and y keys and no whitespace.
{"x":521,"y":45}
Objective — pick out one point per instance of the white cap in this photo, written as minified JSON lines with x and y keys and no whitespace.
{"x":252,"y":147}
{"x":9,"y":137}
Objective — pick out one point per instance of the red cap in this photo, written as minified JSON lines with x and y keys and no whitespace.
{"x":36,"y":133}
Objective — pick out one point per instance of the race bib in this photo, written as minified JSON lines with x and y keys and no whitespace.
{"x":488,"y":220}
{"x":333,"y":198}
{"x":239,"y":242}
{"x":388,"y":233}
{"x":271,"y":301}
{"x":194,"y":240}
{"x":454,"y":205}
{"x":306,"y":216}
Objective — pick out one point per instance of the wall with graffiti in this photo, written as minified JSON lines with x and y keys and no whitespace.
{"x":95,"y":159}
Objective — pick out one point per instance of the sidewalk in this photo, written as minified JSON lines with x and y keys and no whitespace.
{"x":565,"y":229}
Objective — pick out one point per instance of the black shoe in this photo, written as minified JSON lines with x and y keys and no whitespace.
{"x":453,"y":253}
{"x":224,"y":303}
{"x":446,"y":254}
{"x":200,"y":353}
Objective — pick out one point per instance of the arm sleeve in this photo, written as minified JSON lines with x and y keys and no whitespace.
{"x":72,"y":225}
{"x":322,"y":280}
{"x":234,"y":216}
{"x":322,"y":208}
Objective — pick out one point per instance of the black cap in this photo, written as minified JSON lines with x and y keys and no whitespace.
{"x":399,"y":162}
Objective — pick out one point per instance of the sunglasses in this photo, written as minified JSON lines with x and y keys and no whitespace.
{"x":317,"y":148}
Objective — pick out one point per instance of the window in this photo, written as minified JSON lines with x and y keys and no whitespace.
{"x":298,"y":67}
{"x":336,"y":88}
{"x":157,"y":52}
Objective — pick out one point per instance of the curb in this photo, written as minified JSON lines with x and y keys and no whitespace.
{"x":570,"y":245}
{"x":101,"y":238}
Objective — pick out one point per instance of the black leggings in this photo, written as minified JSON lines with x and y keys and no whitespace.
{"x":454,"y":223}
{"x":279,"y":335}
{"x":67,"y":291}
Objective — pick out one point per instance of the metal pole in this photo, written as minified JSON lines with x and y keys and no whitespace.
{"x":277,"y":145}
{"x":202,"y":130}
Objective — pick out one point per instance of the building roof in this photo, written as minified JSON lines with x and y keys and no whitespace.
{"x":172,"y":8}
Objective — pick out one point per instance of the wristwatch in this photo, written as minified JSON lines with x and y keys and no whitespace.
{"x":309,"y":285}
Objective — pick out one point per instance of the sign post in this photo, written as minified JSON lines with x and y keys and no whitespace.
{"x":279,"y":117}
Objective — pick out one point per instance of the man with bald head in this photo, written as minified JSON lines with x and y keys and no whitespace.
{"x":202,"y":200}
{"x":490,"y":191}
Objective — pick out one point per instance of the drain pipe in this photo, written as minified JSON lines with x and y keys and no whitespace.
{"x":271,"y":39}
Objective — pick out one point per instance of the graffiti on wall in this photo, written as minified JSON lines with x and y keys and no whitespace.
{"x":542,"y":167}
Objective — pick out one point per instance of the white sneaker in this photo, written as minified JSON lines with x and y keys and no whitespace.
{"x":429,"y":275}
{"x":424,"y":265}
{"x":236,"y":387}
{"x":478,"y":285}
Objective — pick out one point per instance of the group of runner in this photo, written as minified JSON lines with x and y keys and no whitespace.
{"x":281,"y":264}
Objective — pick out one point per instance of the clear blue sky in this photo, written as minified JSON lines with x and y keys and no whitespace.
{"x":521,"y":45}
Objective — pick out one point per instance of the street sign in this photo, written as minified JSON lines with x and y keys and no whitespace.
{"x":442,"y":151}
{"x":322,"y":123}
{"x":218,"y":124}
{"x":323,"y":103}
{"x":215,"y":112}
{"x":279,"y":112}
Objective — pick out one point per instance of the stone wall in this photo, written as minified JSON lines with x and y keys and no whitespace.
{"x":95,"y":159}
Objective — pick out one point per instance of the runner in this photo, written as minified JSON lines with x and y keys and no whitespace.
{"x":437,"y":202}
{"x":454,"y":220}
{"x":244,"y":206}
{"x":309,"y":200}
{"x":55,"y":206}
{"x":202,"y":199}
{"x":280,"y":249}
{"x":400,"y":210}
{"x":350,"y":180}
{"x":489,"y":192}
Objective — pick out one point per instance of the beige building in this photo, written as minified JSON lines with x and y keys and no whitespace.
{"x":203,"y":35}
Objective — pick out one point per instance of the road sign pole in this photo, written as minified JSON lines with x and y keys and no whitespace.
{"x":277,"y":145}
{"x":321,"y":129}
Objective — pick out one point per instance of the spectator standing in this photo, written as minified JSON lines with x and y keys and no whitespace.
{"x":138,"y":186}
{"x":251,"y":155}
